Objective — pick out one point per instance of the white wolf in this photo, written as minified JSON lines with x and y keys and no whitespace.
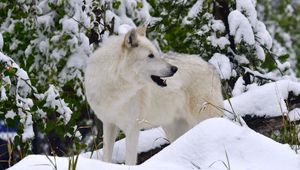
{"x":131,"y":87}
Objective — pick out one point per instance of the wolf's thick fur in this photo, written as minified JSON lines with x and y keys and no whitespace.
{"x":122,"y":94}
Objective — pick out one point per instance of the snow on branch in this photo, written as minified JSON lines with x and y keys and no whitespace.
{"x":268,"y":100}
{"x":54,"y":101}
{"x":16,"y":81}
{"x":240,"y":28}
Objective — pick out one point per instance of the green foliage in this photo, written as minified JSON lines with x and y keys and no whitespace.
{"x":198,"y":34}
{"x":33,"y":42}
{"x":282,"y":19}
{"x":46,"y":45}
{"x":171,"y":14}
{"x":116,"y":4}
{"x":288,"y":133}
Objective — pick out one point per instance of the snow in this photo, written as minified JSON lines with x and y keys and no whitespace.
{"x":124,"y":28}
{"x":28,"y":129}
{"x":241,"y":59}
{"x":239,"y":87}
{"x":53,"y":101}
{"x":282,"y":66}
{"x":269,"y":75}
{"x":57,"y":54}
{"x":218,"y":42}
{"x":207,"y":144}
{"x":44,"y":47}
{"x":260,"y":52}
{"x":7,"y":136}
{"x":289,"y":10}
{"x":149,"y":139}
{"x":144,"y":12}
{"x":218,"y":25}
{"x":14,"y":44}
{"x":69,"y":25}
{"x":46,"y":20}
{"x":248,"y":8}
{"x":240,"y":28}
{"x":3,"y":94}
{"x":80,"y":54}
{"x":204,"y":29}
{"x":1,"y":41}
{"x":212,"y":144}
{"x":41,"y":114}
{"x":28,"y":50}
{"x":263,"y":36}
{"x":193,"y":12}
{"x":23,"y":83}
{"x":294,"y":115}
{"x":267,"y":100}
{"x":109,"y":15}
{"x":22,"y":89}
{"x":77,"y":59}
{"x":222,"y":64}
{"x":10,"y":114}
{"x":127,"y":12}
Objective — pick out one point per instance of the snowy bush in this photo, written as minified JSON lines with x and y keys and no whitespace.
{"x":228,"y":34}
{"x":16,"y":104}
{"x":48,"y":43}
{"x":24,"y":108}
{"x":282,"y":20}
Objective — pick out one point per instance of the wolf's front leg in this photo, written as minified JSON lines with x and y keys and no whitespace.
{"x":132,"y":137}
{"x":110,"y":132}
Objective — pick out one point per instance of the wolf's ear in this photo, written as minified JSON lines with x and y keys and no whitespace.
{"x":131,"y":40}
{"x":141,"y":30}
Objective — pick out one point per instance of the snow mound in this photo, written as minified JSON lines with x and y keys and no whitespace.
{"x":213,"y":144}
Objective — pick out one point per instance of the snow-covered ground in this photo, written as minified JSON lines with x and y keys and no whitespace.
{"x":213,"y":144}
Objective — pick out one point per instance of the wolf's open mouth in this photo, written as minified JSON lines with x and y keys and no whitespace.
{"x":159,"y":81}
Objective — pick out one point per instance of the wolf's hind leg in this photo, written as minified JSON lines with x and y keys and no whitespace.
{"x":175,"y":129}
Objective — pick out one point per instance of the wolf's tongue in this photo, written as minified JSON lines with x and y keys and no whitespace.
{"x":159,"y":81}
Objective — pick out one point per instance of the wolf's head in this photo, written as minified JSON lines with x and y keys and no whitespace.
{"x":144,"y":59}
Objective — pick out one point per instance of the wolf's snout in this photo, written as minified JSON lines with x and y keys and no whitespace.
{"x":174,"y":69}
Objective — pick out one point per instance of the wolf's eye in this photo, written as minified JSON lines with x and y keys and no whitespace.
{"x":151,"y":55}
